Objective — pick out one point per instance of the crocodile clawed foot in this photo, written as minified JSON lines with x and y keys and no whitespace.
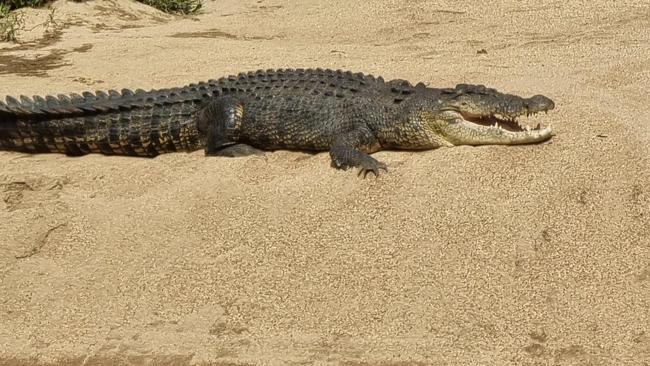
{"x":371,"y":165}
{"x":363,"y":161}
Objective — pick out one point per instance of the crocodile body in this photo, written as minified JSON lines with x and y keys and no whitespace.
{"x":349,"y":114}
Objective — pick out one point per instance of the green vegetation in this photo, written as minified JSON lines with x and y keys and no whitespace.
{"x":169,"y":6}
{"x":175,"y":6}
{"x":11,"y":23}
{"x":15,"y":4}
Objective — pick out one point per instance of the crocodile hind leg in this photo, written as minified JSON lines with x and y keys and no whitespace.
{"x":236,"y":151}
{"x":351,"y":150}
{"x":218,"y":122}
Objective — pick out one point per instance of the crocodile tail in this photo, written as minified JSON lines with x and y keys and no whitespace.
{"x":136,"y":123}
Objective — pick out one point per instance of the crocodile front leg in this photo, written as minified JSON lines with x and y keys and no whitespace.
{"x":351,"y":150}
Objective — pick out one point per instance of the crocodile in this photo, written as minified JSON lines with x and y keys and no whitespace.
{"x":351,"y":115}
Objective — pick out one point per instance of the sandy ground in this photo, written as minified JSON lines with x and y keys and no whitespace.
{"x":530,"y":255}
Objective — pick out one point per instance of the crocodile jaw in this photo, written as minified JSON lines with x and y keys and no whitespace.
{"x":473,"y":134}
{"x":456,"y":128}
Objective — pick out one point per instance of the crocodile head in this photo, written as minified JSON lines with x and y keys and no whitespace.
{"x":476,"y":115}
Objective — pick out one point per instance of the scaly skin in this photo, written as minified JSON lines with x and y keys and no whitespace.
{"x":349,"y":115}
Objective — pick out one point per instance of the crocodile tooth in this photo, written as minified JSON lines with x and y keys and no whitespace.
{"x":538,"y":126}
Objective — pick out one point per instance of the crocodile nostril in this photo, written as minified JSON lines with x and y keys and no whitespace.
{"x":538,"y":103}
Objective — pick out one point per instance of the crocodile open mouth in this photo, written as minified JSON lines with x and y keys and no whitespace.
{"x":510,"y":124}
